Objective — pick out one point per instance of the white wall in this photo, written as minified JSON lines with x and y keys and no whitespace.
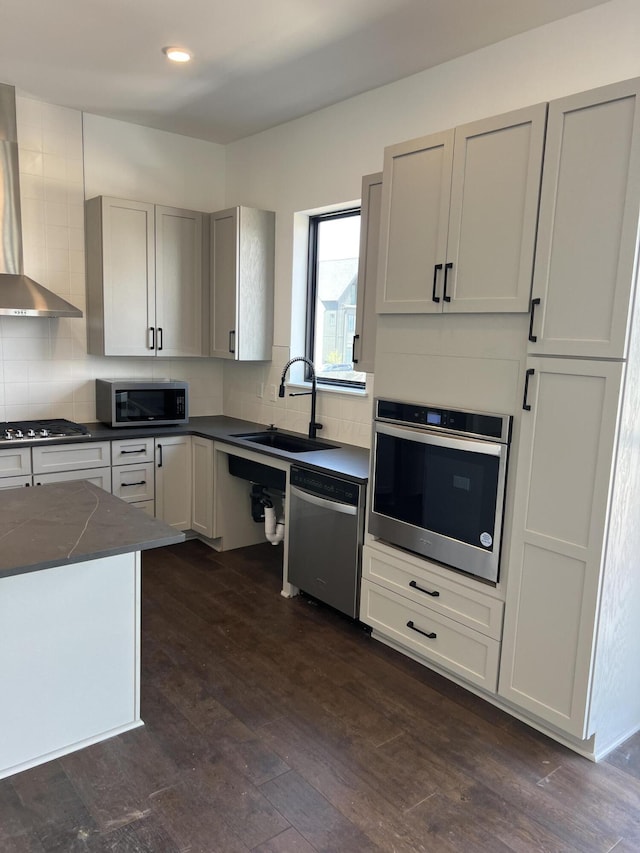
{"x":319,"y":159}
{"x":44,"y":367}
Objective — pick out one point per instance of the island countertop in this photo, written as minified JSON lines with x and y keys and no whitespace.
{"x":70,"y":522}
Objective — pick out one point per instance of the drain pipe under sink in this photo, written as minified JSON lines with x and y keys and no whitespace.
{"x":274,"y":530}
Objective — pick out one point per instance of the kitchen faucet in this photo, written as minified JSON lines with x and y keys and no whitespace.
{"x":313,"y":426}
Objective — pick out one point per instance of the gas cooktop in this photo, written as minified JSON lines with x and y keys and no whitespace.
{"x":55,"y":428}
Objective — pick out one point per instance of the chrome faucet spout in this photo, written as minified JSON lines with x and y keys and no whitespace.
{"x":313,"y":426}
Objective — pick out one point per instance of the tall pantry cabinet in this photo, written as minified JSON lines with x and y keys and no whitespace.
{"x":571,"y":640}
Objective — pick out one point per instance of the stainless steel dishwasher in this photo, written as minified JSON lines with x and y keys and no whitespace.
{"x":326,"y":531}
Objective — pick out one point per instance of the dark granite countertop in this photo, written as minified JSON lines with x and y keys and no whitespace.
{"x":344,"y":460}
{"x":69,"y":523}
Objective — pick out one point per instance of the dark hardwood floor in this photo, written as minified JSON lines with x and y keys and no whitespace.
{"x":279,"y":726}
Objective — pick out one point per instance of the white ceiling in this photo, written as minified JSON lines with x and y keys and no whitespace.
{"x":257,"y":63}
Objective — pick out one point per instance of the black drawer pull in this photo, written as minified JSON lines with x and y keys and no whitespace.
{"x":139,"y":483}
{"x":433,"y":593}
{"x":525,"y":403}
{"x":533,"y":338}
{"x":142,"y":450}
{"x":435,"y":298}
{"x":430,"y":636}
{"x":447,"y":267}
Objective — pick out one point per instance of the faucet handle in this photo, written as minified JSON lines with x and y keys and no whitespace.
{"x":272,"y":428}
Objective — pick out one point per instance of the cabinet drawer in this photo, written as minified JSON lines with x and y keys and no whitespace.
{"x":134,"y":482}
{"x":15,"y":462}
{"x":467,"y":653}
{"x":98,"y":476}
{"x":130,"y":451}
{"x":71,"y":457}
{"x":15,"y":482}
{"x":454,"y":600}
{"x":146,"y":506}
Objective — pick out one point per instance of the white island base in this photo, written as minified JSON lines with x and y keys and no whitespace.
{"x":69,"y":658}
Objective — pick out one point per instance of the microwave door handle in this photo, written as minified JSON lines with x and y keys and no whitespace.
{"x":468,"y":445}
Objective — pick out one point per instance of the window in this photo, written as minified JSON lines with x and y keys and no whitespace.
{"x":334,"y":245}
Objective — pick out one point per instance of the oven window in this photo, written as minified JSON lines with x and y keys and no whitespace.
{"x":443,"y":490}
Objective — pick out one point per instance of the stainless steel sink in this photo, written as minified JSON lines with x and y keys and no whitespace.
{"x":285,"y":441}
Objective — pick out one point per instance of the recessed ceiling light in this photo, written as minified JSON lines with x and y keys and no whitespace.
{"x":177,"y":54}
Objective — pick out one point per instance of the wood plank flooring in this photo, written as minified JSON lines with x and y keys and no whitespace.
{"x":279,"y":726}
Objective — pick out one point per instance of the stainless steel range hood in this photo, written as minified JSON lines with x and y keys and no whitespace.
{"x":20,"y":296}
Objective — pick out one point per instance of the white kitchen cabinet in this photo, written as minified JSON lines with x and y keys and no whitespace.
{"x":242,"y":267}
{"x":458,"y":221}
{"x":55,"y":458}
{"x":364,"y":339}
{"x":100,"y":477}
{"x":145,"y":268}
{"x":589,"y":216}
{"x":427,"y":612}
{"x":202,"y":485}
{"x":15,"y":467}
{"x":133,"y":472}
{"x":571,"y":637}
{"x":173,"y":480}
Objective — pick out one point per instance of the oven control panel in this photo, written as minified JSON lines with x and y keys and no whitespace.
{"x":478,"y":424}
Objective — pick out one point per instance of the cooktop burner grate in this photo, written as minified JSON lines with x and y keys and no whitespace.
{"x":40,"y":429}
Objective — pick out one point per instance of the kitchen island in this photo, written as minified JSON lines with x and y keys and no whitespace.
{"x":70,"y":557}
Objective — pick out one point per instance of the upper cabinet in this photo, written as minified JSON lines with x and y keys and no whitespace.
{"x":242,"y":264}
{"x":364,"y":340}
{"x":587,"y":234}
{"x":145,"y":267}
{"x":458,"y":219}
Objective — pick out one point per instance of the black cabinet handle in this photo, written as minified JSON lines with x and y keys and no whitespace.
{"x":159,"y":456}
{"x":139,"y":483}
{"x":447,"y":267}
{"x":152,"y":338}
{"x":435,"y":298}
{"x":142,"y":450}
{"x":433,"y":594}
{"x":159,"y":338}
{"x":430,"y":636}
{"x":533,"y":338}
{"x":527,"y":406}
{"x":353,"y":348}
{"x":232,"y":337}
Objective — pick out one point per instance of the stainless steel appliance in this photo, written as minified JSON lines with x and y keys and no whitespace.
{"x":326,"y":530}
{"x":438,"y":483}
{"x":127,"y":402}
{"x":52,"y":430}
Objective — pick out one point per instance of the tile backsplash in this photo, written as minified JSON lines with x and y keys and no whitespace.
{"x":45,"y":370}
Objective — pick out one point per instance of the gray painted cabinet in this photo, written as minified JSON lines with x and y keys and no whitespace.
{"x":364,"y":340}
{"x":459,"y":213}
{"x":145,"y":293}
{"x":241,"y":276}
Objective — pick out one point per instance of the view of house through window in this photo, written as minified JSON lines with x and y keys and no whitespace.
{"x":334,"y":242}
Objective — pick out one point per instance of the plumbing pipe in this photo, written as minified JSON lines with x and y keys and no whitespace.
{"x":273,"y":530}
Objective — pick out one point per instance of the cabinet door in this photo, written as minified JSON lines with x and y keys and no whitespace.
{"x":588,"y":227}
{"x":224,"y":282}
{"x":202,"y":485}
{"x":15,"y":462}
{"x":100,"y":477}
{"x":15,"y":482}
{"x":413,"y":231}
{"x":364,"y":340}
{"x":173,"y":480}
{"x":120,"y":277}
{"x":179,"y":287}
{"x":562,"y":492}
{"x":133,"y":483}
{"x":495,"y":189}
{"x":51,"y":458}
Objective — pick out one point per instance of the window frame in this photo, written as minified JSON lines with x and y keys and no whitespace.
{"x":312,"y":288}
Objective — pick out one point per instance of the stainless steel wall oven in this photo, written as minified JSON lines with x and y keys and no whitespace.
{"x":438,"y":483}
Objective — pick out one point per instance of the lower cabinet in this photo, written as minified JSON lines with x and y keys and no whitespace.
{"x":57,"y":463}
{"x":202,"y":485}
{"x":444,"y":622}
{"x":15,"y":468}
{"x":133,"y":473}
{"x":173,"y":480}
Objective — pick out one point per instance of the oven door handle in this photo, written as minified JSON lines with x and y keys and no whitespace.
{"x":334,"y":506}
{"x":468,"y":445}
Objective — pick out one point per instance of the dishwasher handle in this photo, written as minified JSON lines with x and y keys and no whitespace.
{"x":316,"y":500}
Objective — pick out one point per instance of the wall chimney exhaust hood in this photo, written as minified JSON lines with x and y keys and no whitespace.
{"x":20,"y":296}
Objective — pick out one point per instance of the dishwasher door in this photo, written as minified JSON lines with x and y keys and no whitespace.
{"x":325,"y":538}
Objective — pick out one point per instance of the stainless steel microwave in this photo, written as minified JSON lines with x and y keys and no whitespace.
{"x":123,"y":402}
